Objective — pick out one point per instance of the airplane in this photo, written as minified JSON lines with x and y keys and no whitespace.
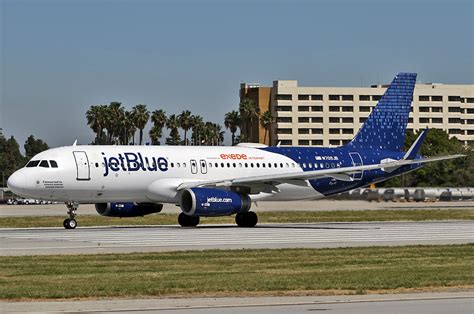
{"x":129,"y":181}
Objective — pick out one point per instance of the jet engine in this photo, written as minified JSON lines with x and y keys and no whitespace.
{"x":213,"y":202}
{"x":127,"y":209}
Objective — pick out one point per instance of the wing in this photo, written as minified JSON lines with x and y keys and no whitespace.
{"x":299,"y":178}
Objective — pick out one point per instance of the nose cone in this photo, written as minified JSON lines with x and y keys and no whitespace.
{"x":17,"y":182}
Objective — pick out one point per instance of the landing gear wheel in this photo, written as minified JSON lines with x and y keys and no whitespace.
{"x":70,"y":223}
{"x":188,"y":221}
{"x":248,"y":219}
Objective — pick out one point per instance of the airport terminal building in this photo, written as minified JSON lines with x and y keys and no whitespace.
{"x":331,"y":116}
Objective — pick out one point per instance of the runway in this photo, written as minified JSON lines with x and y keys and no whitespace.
{"x":451,"y":302}
{"x":92,"y":240}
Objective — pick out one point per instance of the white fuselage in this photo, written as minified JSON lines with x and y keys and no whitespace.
{"x":97,"y":174}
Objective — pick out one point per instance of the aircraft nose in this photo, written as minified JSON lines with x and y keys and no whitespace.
{"x":17,"y":182}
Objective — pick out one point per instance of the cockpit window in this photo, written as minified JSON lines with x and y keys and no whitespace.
{"x":44,"y":164}
{"x":54,"y":164}
{"x":32,"y":163}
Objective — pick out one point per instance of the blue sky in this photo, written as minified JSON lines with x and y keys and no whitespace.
{"x":60,"y":57}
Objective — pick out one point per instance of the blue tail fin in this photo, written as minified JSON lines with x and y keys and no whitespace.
{"x":387,"y":123}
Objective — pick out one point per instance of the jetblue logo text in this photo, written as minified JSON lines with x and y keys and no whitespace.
{"x":133,"y":162}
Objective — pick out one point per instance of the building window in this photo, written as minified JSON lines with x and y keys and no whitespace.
{"x":362,"y":120}
{"x":470,"y":132}
{"x":470,"y":100}
{"x":303,"y":97}
{"x":284,"y":120}
{"x":347,"y":131}
{"x":424,"y":120}
{"x":410,"y":120}
{"x":334,"y":131}
{"x":376,"y":97}
{"x":348,"y":97}
{"x":437,"y":120}
{"x":303,"y":142}
{"x":364,"y":97}
{"x":424,"y":109}
{"x":333,"y":120}
{"x":317,"y":119}
{"x":303,"y":108}
{"x":456,"y":131}
{"x":283,"y":97}
{"x":283,"y":108}
{"x":316,"y":97}
{"x":334,"y":97}
{"x":347,"y":120}
{"x":424,"y":98}
{"x":303,"y":131}
{"x":334,"y":108}
{"x":364,"y":108}
{"x":284,"y":131}
{"x":436,"y":98}
{"x":470,"y":110}
{"x":454,"y":120}
{"x":470,"y":121}
{"x":317,"y":131}
{"x":317,"y":142}
{"x":303,"y":119}
{"x":317,"y":108}
{"x":334,"y":142}
{"x":347,"y":109}
{"x":454,"y":109}
{"x":436,"y":109}
{"x":286,"y":142}
{"x":454,"y":98}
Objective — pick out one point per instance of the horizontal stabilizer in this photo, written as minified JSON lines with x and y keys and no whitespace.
{"x":415,"y":147}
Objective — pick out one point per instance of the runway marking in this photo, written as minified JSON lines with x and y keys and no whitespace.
{"x":223,"y":236}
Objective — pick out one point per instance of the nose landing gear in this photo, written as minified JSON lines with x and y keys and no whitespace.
{"x":71,"y":223}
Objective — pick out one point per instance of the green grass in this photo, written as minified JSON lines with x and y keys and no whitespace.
{"x":264,"y":217}
{"x":238,"y":272}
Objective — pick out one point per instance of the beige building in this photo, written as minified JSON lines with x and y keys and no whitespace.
{"x":331,"y":116}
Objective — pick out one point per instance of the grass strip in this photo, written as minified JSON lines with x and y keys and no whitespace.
{"x":238,"y":272}
{"x":264,"y":217}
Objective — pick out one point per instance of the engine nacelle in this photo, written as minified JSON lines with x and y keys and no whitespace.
{"x":127,"y":209}
{"x":213,"y":202}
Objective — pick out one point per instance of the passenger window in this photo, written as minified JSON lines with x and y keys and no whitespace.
{"x":54,"y":164}
{"x":246,"y":165}
{"x":51,"y":162}
{"x":32,"y":163}
{"x":233,"y":165}
{"x":281,"y":165}
{"x":178,"y":164}
{"x":258,"y":165}
{"x":44,"y":164}
{"x":216,"y":165}
{"x":263,"y":164}
{"x":172,"y":165}
{"x":228,"y":165}
{"x":251,"y":164}
{"x":222,"y":165}
{"x":269,"y":165}
{"x":287,"y":165}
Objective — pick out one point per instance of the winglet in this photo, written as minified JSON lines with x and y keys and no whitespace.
{"x":415,"y":147}
{"x":75,"y":143}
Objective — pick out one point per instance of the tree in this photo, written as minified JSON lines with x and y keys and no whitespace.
{"x":266,"y":120}
{"x":198,"y":126}
{"x":127,"y":128}
{"x":172,"y":124}
{"x":140,"y":117}
{"x":158,"y":117}
{"x":232,"y":122}
{"x":96,"y":119}
{"x":113,"y":115}
{"x":10,"y":156}
{"x":249,"y":111}
{"x":34,"y":146}
{"x":185,"y":122}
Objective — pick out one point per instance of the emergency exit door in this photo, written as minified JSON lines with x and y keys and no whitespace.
{"x":82,"y":166}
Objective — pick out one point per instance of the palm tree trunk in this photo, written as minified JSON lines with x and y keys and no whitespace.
{"x":233,"y":138}
{"x":185,"y":138}
{"x":265,"y":136}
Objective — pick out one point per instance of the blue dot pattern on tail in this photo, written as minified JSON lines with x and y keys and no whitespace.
{"x":386,"y":125}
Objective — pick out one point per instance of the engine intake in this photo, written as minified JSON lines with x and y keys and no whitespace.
{"x":213,"y":202}
{"x":127,"y":209}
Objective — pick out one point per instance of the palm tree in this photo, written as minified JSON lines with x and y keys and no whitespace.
{"x":185,"y":122}
{"x":127,"y":128}
{"x":173,"y":125}
{"x":95,"y":121}
{"x":141,"y":115}
{"x":266,"y":120}
{"x":113,"y":115}
{"x":158,"y":117}
{"x":249,"y":111}
{"x":197,"y":123}
{"x":232,"y":122}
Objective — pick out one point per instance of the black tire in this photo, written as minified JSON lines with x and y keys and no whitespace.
{"x":72,"y":223}
{"x":66,"y":223}
{"x":188,"y":221}
{"x":248,"y":219}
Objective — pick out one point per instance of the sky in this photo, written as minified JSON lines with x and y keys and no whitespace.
{"x":58,"y":58}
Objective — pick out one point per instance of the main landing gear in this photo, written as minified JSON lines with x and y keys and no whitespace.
{"x":248,"y":219}
{"x":188,"y":221}
{"x":71,"y":223}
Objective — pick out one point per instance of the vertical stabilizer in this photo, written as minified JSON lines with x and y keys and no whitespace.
{"x":386,"y":125}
